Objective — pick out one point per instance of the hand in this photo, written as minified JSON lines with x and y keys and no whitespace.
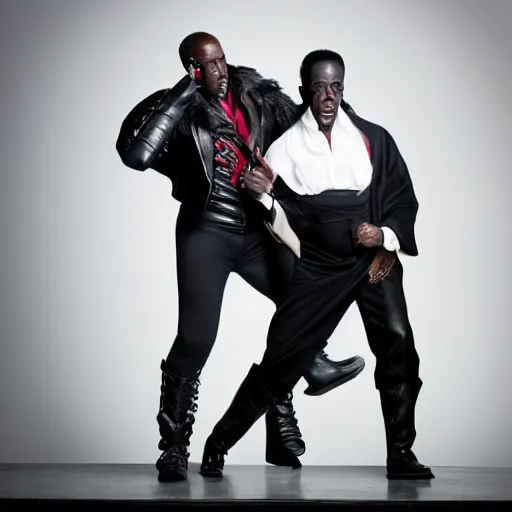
{"x":264,"y":167}
{"x":368,"y":235}
{"x":195,"y":71}
{"x":381,"y":265}
{"x":260,"y":178}
{"x":255,"y":181}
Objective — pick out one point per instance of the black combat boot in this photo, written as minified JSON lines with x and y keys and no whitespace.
{"x":250,"y":403}
{"x":284,"y":439}
{"x":398,"y":405}
{"x":284,"y":442}
{"x":178,"y":404}
{"x":323,"y":375}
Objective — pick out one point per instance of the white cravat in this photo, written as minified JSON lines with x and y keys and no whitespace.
{"x":303,"y":159}
{"x":309,"y":166}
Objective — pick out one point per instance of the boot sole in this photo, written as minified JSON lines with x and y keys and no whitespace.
{"x":211,"y":474}
{"x":410,"y":476}
{"x":172,"y":477}
{"x":287,"y":461}
{"x":334,"y":384}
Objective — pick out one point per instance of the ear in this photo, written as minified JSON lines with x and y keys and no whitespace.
{"x":306,"y":95}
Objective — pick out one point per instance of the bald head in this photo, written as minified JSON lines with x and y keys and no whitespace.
{"x":190,"y":46}
{"x":207,"y":50}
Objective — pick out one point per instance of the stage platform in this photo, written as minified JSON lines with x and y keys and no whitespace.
{"x":103,"y":487}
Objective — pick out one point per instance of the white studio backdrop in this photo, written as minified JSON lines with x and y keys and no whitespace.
{"x":89,"y":298}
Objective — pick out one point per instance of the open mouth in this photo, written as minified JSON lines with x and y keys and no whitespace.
{"x":328,"y":110}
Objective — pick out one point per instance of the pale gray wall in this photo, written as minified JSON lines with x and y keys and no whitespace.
{"x":87,"y":245}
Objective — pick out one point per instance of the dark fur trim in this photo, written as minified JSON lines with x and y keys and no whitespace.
{"x":278,"y":108}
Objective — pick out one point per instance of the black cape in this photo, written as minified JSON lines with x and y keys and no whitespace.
{"x":393,"y":201}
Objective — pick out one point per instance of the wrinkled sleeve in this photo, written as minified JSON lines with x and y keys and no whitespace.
{"x":399,"y":202}
{"x":148,"y":126}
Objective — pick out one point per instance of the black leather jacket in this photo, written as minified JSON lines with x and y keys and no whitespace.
{"x":173,"y":130}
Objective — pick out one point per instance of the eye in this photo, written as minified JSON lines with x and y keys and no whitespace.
{"x":322,"y":86}
{"x":213,"y":64}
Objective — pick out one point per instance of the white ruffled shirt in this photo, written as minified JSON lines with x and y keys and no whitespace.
{"x":307,"y":164}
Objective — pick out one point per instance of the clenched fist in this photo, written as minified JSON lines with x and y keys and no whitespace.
{"x":260,"y":178}
{"x":368,"y":235}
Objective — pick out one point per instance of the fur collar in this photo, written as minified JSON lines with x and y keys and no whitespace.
{"x":252,"y":92}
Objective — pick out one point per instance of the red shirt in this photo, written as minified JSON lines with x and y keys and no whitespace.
{"x":237,"y":118}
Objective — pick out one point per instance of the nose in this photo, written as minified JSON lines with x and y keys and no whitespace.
{"x":219,"y":69}
{"x":330,"y":94}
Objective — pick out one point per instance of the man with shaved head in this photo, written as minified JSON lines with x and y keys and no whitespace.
{"x":346,"y":189}
{"x":205,"y":48}
{"x":201,"y":134}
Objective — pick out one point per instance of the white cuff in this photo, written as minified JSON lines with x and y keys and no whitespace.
{"x":391,"y":242}
{"x":281,"y":229}
{"x":266,"y":200}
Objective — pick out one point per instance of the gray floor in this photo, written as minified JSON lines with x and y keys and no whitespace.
{"x":138,"y":482}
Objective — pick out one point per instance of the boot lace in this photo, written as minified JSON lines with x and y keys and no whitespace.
{"x":175,"y":458}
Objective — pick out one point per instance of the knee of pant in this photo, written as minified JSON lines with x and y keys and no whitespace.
{"x":190,"y":348}
{"x":390,"y":380}
{"x":276,"y":384}
{"x":399,"y":345}
{"x":197,"y":341}
{"x":400,"y":363}
{"x":400,"y":330}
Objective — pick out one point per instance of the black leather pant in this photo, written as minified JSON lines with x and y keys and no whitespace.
{"x":309,"y":314}
{"x":206,"y":254}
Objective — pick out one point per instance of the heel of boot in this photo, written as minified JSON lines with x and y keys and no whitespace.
{"x":212,"y":465}
{"x":278,"y":455}
{"x":284,"y":445}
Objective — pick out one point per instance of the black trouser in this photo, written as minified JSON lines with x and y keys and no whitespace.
{"x":205,"y":255}
{"x":309,"y":314}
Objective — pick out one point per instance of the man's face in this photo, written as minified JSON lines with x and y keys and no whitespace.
{"x":326,"y":92}
{"x":211,"y":56}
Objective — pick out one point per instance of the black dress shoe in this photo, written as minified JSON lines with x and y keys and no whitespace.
{"x":324,"y":375}
{"x":405,"y":466}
